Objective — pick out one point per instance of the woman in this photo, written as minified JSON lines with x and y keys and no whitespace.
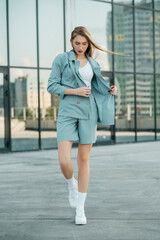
{"x":85,"y":98}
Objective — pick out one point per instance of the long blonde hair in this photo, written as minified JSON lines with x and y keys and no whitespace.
{"x":80,"y":30}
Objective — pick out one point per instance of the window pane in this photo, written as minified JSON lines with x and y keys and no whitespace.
{"x":49,"y":110}
{"x":129,"y":2}
{"x":125,"y":111}
{"x":144,"y":41}
{"x":22,"y":16}
{"x":101,"y":0}
{"x":50,"y":35}
{"x":156,"y":4}
{"x":123,"y":38}
{"x":143,"y":3}
{"x":3,"y":34}
{"x":157,"y":41}
{"x":24,"y":109}
{"x":158,"y":105}
{"x":145,"y":107}
{"x":99,"y":25}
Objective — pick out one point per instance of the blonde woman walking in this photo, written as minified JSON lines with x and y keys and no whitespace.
{"x":85,"y":99}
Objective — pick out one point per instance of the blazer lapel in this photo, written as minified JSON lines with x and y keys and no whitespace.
{"x":100,"y":84}
{"x":74,"y":65}
{"x":77,"y":64}
{"x":95,"y":68}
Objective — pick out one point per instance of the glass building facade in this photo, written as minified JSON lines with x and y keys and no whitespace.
{"x":33,"y":32}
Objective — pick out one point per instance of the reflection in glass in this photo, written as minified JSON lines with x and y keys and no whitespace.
{"x":157,"y":41}
{"x":130,"y":2}
{"x":145,"y":106}
{"x":3,"y":34}
{"x":86,"y":13}
{"x":158,"y":104}
{"x":125,"y":111}
{"x":22,"y":23}
{"x":143,"y":3}
{"x":123,"y":38}
{"x":50,"y":37}
{"x":49,"y":109}
{"x":100,"y":0}
{"x":144,"y":41}
{"x":156,"y":4}
{"x":2,"y":120}
{"x":24,"y":109}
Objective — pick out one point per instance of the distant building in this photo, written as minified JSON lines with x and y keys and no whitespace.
{"x":20,"y":94}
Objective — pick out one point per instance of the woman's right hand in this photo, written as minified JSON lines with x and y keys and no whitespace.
{"x":83,"y":91}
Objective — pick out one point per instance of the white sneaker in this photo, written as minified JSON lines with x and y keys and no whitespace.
{"x":73,"y":195}
{"x":80,"y":217}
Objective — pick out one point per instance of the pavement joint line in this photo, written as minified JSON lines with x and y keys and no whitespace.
{"x":108,"y":219}
{"x":136,"y":170}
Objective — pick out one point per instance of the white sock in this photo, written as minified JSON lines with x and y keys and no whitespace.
{"x":81,"y":200}
{"x":71,"y":182}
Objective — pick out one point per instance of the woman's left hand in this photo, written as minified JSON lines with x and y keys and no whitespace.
{"x":113,"y":90}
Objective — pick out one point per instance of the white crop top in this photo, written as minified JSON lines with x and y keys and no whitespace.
{"x":86,"y":73}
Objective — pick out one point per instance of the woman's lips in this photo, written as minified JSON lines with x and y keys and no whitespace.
{"x":80,"y":51}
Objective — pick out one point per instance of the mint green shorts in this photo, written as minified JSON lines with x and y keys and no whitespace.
{"x":82,"y":130}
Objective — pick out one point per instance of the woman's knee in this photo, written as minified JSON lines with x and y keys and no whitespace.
{"x":64,"y":160}
{"x":64,"y":152}
{"x":82,"y":160}
{"x":84,"y":153}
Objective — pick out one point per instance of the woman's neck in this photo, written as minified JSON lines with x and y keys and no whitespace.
{"x":80,"y":57}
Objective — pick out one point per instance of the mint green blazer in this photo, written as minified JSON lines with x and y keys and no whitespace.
{"x":65,"y":74}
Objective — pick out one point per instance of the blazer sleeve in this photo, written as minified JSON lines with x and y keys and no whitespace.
{"x":54,"y":80}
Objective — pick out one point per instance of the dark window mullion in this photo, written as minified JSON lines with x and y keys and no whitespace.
{"x":64,"y":24}
{"x":8,"y":72}
{"x":154,"y":70}
{"x":113,"y":127}
{"x":38,"y":75}
{"x":134,"y":57}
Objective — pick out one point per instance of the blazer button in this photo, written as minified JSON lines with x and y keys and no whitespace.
{"x":78,"y":102}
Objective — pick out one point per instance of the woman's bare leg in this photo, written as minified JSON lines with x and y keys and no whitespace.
{"x":64,"y":152}
{"x":83,"y":166}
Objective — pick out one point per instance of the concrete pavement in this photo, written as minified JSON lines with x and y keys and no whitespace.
{"x":123,"y":201}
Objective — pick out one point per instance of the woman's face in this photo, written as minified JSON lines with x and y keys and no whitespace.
{"x":80,"y":45}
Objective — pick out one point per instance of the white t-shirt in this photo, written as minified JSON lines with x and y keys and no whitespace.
{"x":86,"y":73}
